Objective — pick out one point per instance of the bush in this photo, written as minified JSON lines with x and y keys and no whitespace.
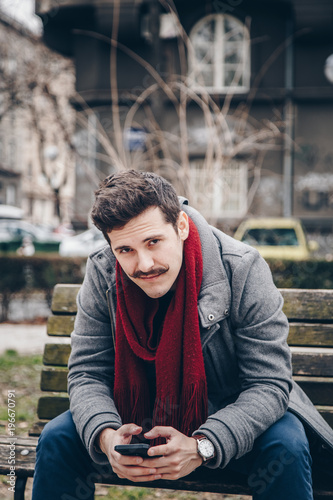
{"x":303,"y":274}
{"x":26,"y":275}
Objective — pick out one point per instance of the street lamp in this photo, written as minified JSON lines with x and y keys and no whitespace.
{"x":51,"y":153}
{"x":328,"y":68}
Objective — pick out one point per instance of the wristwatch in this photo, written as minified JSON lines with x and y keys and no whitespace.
{"x":205,"y":447}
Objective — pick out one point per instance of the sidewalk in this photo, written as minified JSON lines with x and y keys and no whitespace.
{"x":25,"y":339}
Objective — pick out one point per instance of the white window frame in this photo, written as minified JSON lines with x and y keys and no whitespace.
{"x":243,"y":67}
{"x":11,"y":194}
{"x":219,"y":192}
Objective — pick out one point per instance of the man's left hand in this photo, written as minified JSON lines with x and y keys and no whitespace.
{"x":179,"y":454}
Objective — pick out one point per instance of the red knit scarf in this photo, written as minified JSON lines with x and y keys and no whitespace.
{"x":181,"y":388}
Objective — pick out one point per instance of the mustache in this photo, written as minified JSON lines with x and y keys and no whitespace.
{"x":154,"y":272}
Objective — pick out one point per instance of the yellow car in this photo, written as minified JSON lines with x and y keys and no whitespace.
{"x":276,"y":238}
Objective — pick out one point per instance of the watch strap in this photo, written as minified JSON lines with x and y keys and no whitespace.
{"x":198,"y":437}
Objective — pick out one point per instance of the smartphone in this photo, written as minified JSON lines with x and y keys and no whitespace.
{"x":134,"y":449}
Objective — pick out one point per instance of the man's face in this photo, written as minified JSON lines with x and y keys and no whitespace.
{"x":150,"y":251}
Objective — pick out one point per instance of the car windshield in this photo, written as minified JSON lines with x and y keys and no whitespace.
{"x":271,"y":237}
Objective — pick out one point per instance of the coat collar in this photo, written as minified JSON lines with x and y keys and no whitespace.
{"x":215,"y":294}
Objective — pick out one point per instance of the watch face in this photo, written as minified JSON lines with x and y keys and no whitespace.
{"x":206,"y":448}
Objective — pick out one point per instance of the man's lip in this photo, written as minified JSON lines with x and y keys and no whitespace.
{"x":150,"y":277}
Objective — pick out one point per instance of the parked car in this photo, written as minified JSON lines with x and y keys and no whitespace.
{"x":10,"y":212}
{"x":278,"y":238}
{"x":82,"y":244}
{"x":25,"y":238}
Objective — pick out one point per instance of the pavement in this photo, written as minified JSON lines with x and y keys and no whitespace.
{"x":25,"y":338}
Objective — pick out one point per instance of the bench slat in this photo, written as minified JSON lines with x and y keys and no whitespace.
{"x":319,"y":390}
{"x":300,"y":334}
{"x":37,"y":427}
{"x":317,"y":362}
{"x":310,"y":334}
{"x":299,"y":304}
{"x":64,"y":299}
{"x":327,"y":413}
{"x":311,"y":363}
{"x":202,"y":479}
{"x":308,"y":304}
{"x":60,"y":325}
{"x":24,"y":463}
{"x":54,"y":379}
{"x":56,"y":354}
{"x":50,"y":407}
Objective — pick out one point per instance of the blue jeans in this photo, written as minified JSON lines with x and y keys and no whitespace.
{"x":278,"y":467}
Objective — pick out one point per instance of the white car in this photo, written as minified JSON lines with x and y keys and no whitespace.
{"x":15,"y":235}
{"x":10,"y":212}
{"x":82,"y":244}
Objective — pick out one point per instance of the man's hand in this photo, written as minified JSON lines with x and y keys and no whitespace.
{"x":179,"y":454}
{"x":133,"y":468}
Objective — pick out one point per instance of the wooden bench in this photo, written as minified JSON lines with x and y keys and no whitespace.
{"x":310,"y":313}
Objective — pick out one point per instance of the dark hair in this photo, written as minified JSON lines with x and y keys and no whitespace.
{"x":125,"y":195}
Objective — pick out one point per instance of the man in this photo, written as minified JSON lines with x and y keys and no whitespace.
{"x":179,"y":340}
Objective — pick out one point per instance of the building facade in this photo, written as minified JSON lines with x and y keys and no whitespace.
{"x":230,"y":99}
{"x":37,"y":169}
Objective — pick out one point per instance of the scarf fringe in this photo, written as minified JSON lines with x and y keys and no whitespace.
{"x":187,"y":416}
{"x":133,"y":405}
{"x":195,"y":408}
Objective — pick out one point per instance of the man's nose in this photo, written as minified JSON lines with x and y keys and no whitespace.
{"x":145,"y":262}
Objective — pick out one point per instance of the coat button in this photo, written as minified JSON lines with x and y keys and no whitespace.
{"x":211,"y":317}
{"x":226,"y":312}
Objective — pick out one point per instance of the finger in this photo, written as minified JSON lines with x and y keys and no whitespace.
{"x":142,"y":479}
{"x":154,"y":462}
{"x":159,"y":450}
{"x":163,"y":471}
{"x":127,"y":430}
{"x":170,"y":476}
{"x":161,"y":431}
{"x":137,"y":473}
{"x":127,"y":460}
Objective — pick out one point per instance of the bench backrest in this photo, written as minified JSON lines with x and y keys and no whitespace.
{"x":310,"y":314}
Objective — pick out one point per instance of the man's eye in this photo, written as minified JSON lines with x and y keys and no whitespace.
{"x":125,"y":250}
{"x":153,"y":242}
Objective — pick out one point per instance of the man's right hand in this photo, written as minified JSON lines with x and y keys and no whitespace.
{"x":125,"y":466}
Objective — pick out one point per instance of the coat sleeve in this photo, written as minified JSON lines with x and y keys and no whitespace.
{"x":91,"y":364}
{"x":259,"y":330}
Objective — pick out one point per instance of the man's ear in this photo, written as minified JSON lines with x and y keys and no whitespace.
{"x":183,"y":226}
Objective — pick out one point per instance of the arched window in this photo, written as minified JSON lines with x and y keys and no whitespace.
{"x":219,"y":56}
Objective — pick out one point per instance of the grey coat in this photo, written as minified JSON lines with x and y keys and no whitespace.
{"x":244,"y":341}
